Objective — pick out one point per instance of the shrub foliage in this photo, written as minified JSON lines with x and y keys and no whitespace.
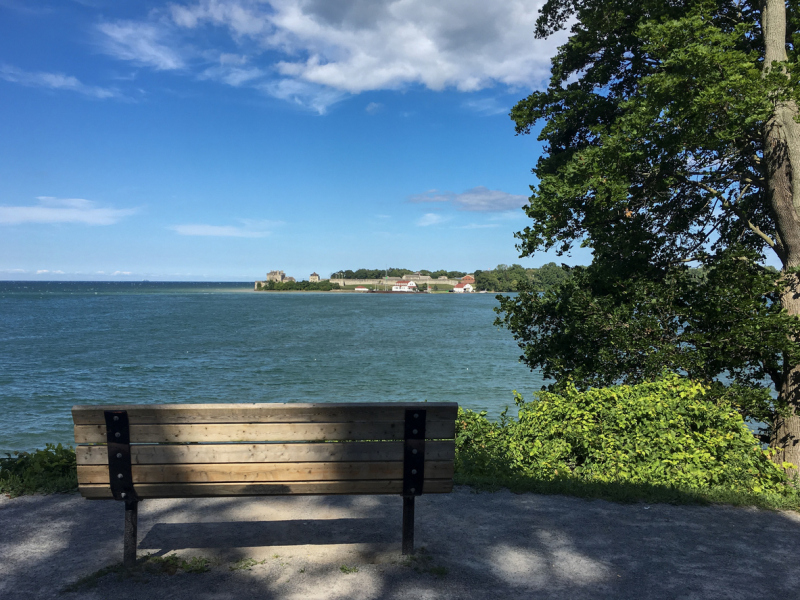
{"x":662,"y":433}
{"x":50,"y":470}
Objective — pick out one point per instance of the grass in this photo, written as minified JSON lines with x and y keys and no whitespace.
{"x":195,"y":564}
{"x":148,"y":564}
{"x":347,"y":570}
{"x":280,"y":562}
{"x":87,"y":582}
{"x":246,"y":564}
{"x":422,"y":562}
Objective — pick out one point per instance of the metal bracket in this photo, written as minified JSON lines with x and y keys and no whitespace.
{"x":118,"y":437}
{"x":414,"y":452}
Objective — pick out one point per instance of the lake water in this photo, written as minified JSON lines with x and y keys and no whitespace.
{"x":122,"y":343}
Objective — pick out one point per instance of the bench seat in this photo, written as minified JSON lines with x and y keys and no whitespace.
{"x":211,"y":450}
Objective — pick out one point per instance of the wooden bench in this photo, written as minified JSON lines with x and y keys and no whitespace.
{"x":137,"y":452}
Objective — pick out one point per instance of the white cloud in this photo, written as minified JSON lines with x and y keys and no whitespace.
{"x":487,"y":106}
{"x":509,"y":215}
{"x":216,"y":231}
{"x":243,"y":18}
{"x":373,"y":107}
{"x":430,"y":219}
{"x":233,"y":76}
{"x":315,"y":52}
{"x":477,"y":199}
{"x":307,"y":95}
{"x":248,"y":229}
{"x":431,"y":196}
{"x":63,"y":210}
{"x":55,"y":81}
{"x":122,"y":273}
{"x":226,"y":58}
{"x":46,"y":271}
{"x":233,"y":70}
{"x":24,"y":7}
{"x":142,"y":43}
{"x":368,"y":45}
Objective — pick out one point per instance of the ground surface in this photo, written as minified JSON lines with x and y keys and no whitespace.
{"x":489,"y":545}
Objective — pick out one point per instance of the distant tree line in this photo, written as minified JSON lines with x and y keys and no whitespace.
{"x":294,"y":286}
{"x":503,"y":278}
{"x":443,"y":273}
{"x":509,"y":279}
{"x":393,"y":272}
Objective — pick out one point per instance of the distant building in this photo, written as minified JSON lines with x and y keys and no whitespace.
{"x":463,"y":288}
{"x":467,"y":279}
{"x":404,"y":286}
{"x":278,"y":276}
{"x":416,"y":277}
{"x":314,"y":278}
{"x":290,"y":279}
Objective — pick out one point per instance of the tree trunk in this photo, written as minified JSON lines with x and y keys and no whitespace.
{"x":786,"y":427}
{"x":782,"y":158}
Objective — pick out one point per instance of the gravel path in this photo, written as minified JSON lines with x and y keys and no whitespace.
{"x":489,"y":545}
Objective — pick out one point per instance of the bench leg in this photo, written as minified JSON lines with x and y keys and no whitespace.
{"x":408,"y":524}
{"x":130,"y":538}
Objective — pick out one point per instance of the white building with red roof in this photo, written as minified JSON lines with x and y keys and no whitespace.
{"x":404,"y":286}
{"x":463,"y":288}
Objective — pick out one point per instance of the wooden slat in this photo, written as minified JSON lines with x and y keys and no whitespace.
{"x":193,"y":463}
{"x":264,"y":472}
{"x":201,"y":490}
{"x":261,"y":453}
{"x":272,"y":412}
{"x":263,"y":432}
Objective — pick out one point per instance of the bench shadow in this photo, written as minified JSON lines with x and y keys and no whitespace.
{"x":246,"y":534}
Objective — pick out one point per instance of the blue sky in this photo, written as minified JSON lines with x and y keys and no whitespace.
{"x":219,"y":139}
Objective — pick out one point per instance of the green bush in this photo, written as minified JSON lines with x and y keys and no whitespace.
{"x":50,"y":470}
{"x":667,"y":433}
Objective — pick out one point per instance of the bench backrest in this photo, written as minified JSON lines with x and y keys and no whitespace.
{"x":195,"y":450}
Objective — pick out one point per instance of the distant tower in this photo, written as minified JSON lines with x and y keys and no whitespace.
{"x":314,"y":277}
{"x":276,"y":276}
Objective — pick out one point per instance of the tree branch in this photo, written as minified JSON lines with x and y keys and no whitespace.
{"x":736,"y":210}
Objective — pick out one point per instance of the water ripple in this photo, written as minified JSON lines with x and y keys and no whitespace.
{"x":172,"y":344}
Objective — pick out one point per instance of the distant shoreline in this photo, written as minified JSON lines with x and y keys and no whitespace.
{"x":305,"y":291}
{"x":361,"y":293}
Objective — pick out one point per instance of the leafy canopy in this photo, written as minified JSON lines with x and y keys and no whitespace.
{"x":654,"y":148}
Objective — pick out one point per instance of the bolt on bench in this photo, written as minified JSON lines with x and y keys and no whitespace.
{"x":138,"y":452}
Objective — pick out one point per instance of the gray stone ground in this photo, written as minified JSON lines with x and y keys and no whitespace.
{"x":488,"y":545}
